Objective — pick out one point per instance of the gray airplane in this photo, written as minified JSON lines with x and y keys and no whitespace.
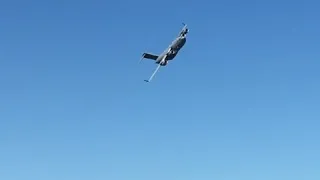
{"x":170,"y":53}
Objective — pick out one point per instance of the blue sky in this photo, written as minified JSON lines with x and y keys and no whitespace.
{"x":240,"y":101}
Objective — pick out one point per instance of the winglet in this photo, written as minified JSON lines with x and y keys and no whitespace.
{"x":142,"y":57}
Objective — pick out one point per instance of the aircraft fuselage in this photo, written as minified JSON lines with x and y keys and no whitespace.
{"x":175,"y":47}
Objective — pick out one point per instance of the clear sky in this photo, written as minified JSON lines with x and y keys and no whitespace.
{"x":240,"y":102}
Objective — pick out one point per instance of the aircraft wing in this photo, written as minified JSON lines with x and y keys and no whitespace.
{"x":150,"y":56}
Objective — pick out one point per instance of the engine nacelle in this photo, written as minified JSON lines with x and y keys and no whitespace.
{"x":164,"y":63}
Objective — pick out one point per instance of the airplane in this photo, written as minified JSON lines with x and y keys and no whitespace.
{"x":168,"y":54}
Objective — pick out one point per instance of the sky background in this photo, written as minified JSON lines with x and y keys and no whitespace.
{"x":240,"y":101}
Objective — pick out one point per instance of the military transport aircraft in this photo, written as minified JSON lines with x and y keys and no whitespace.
{"x":170,"y":53}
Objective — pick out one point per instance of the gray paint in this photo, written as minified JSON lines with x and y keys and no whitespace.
{"x":170,"y":53}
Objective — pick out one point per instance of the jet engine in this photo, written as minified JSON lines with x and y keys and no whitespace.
{"x":164,"y":63}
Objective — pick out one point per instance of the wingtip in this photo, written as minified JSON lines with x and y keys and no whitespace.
{"x":140,"y":60}
{"x":142,"y":57}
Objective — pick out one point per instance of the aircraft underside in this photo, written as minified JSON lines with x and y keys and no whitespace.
{"x":171,"y":56}
{"x":164,"y":63}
